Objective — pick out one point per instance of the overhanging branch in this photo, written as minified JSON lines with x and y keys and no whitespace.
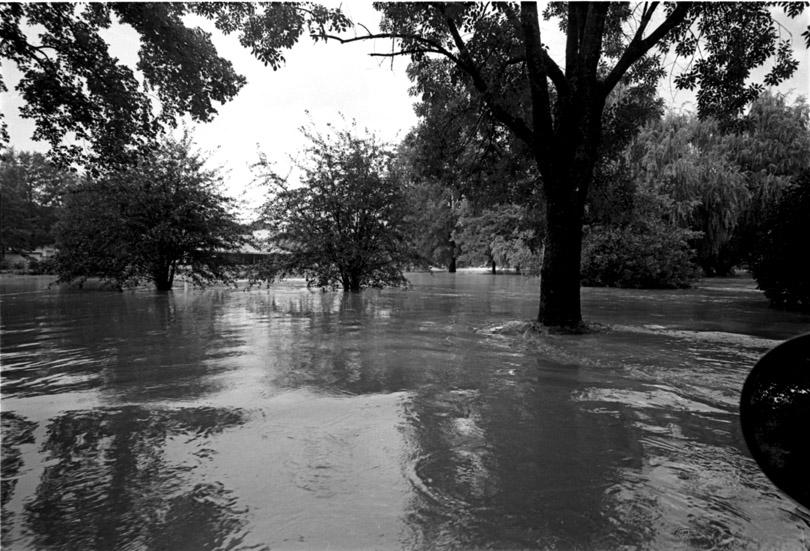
{"x":640,"y":45}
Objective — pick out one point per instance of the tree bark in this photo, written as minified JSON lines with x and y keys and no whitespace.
{"x":162,"y":282}
{"x":560,"y":273}
{"x":163,"y":277}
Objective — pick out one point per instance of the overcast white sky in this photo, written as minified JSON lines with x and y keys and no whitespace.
{"x":324,"y":80}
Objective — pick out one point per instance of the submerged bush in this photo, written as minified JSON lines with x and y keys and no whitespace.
{"x":649,"y":256}
{"x":779,"y":259}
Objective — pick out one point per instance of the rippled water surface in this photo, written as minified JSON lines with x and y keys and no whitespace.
{"x":287,"y":419}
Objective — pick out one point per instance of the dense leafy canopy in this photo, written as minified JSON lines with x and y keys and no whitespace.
{"x":30,"y":196}
{"x":496,"y":53}
{"x":150,"y":222}
{"x":349,"y":224}
{"x":779,"y":256}
{"x":500,"y":235}
{"x":686,"y":183}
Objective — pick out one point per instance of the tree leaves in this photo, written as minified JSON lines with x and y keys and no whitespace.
{"x":150,"y":222}
{"x":348,"y":226}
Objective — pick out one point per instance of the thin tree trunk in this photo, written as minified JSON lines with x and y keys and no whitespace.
{"x":494,"y":271}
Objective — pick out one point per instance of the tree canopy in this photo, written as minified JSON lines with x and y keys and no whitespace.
{"x":79,"y":94}
{"x":348,"y":225}
{"x":162,"y":217}
{"x":30,"y":196}
{"x":496,"y":51}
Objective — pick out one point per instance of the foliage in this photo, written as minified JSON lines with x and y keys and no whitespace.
{"x":495,"y":53}
{"x":435,"y":212}
{"x":688,"y":161}
{"x":772,"y":148}
{"x":433,"y":207}
{"x":150,"y":222}
{"x":73,"y":87}
{"x":504,"y":234}
{"x":30,"y":196}
{"x":779,"y":259}
{"x":651,"y":255}
{"x":348,"y":225}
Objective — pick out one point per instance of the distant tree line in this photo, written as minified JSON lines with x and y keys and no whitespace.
{"x":521,"y":161}
{"x":675,"y":198}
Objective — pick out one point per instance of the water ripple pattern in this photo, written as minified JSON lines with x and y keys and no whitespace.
{"x":284,"y":418}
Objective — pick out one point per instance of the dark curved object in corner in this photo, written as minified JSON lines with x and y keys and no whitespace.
{"x":775,"y":416}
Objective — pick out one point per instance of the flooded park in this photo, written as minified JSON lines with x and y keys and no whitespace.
{"x":284,"y":418}
{"x":404,"y":275}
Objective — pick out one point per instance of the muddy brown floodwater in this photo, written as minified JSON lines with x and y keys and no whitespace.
{"x":287,"y":419}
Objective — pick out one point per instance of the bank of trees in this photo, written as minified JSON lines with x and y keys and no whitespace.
{"x":496,"y":52}
{"x":490,"y":57}
{"x":30,"y":197}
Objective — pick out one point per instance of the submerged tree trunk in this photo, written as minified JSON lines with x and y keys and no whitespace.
{"x":162,"y":281}
{"x":566,"y":180}
{"x":560,"y":272}
{"x":163,"y":276}
{"x":351,"y":282}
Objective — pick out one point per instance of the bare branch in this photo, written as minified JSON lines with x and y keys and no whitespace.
{"x":400,"y":36}
{"x":405,"y":52}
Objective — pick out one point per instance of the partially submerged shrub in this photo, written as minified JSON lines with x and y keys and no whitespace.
{"x":649,"y":256}
{"x":781,"y":250}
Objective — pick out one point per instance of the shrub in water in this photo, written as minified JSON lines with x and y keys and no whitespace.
{"x":641,"y":256}
{"x":781,"y":250}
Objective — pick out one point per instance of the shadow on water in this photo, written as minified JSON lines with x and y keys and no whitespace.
{"x":289,"y":419}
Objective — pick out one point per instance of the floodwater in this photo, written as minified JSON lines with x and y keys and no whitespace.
{"x":287,"y":419}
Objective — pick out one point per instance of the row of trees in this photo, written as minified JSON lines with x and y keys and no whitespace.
{"x":160,"y":217}
{"x":684,"y":196}
{"x":488,"y":60}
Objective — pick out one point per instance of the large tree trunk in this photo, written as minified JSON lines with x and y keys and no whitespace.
{"x":560,"y":272}
{"x":566,"y":182}
{"x":451,"y":268}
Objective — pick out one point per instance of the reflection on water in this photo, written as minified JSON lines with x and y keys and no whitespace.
{"x":284,"y":418}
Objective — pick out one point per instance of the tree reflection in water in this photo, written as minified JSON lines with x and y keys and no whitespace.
{"x":513,"y":463}
{"x":110,"y":482}
{"x":17,"y":431}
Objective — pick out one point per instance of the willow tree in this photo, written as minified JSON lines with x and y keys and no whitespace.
{"x":498,"y":51}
